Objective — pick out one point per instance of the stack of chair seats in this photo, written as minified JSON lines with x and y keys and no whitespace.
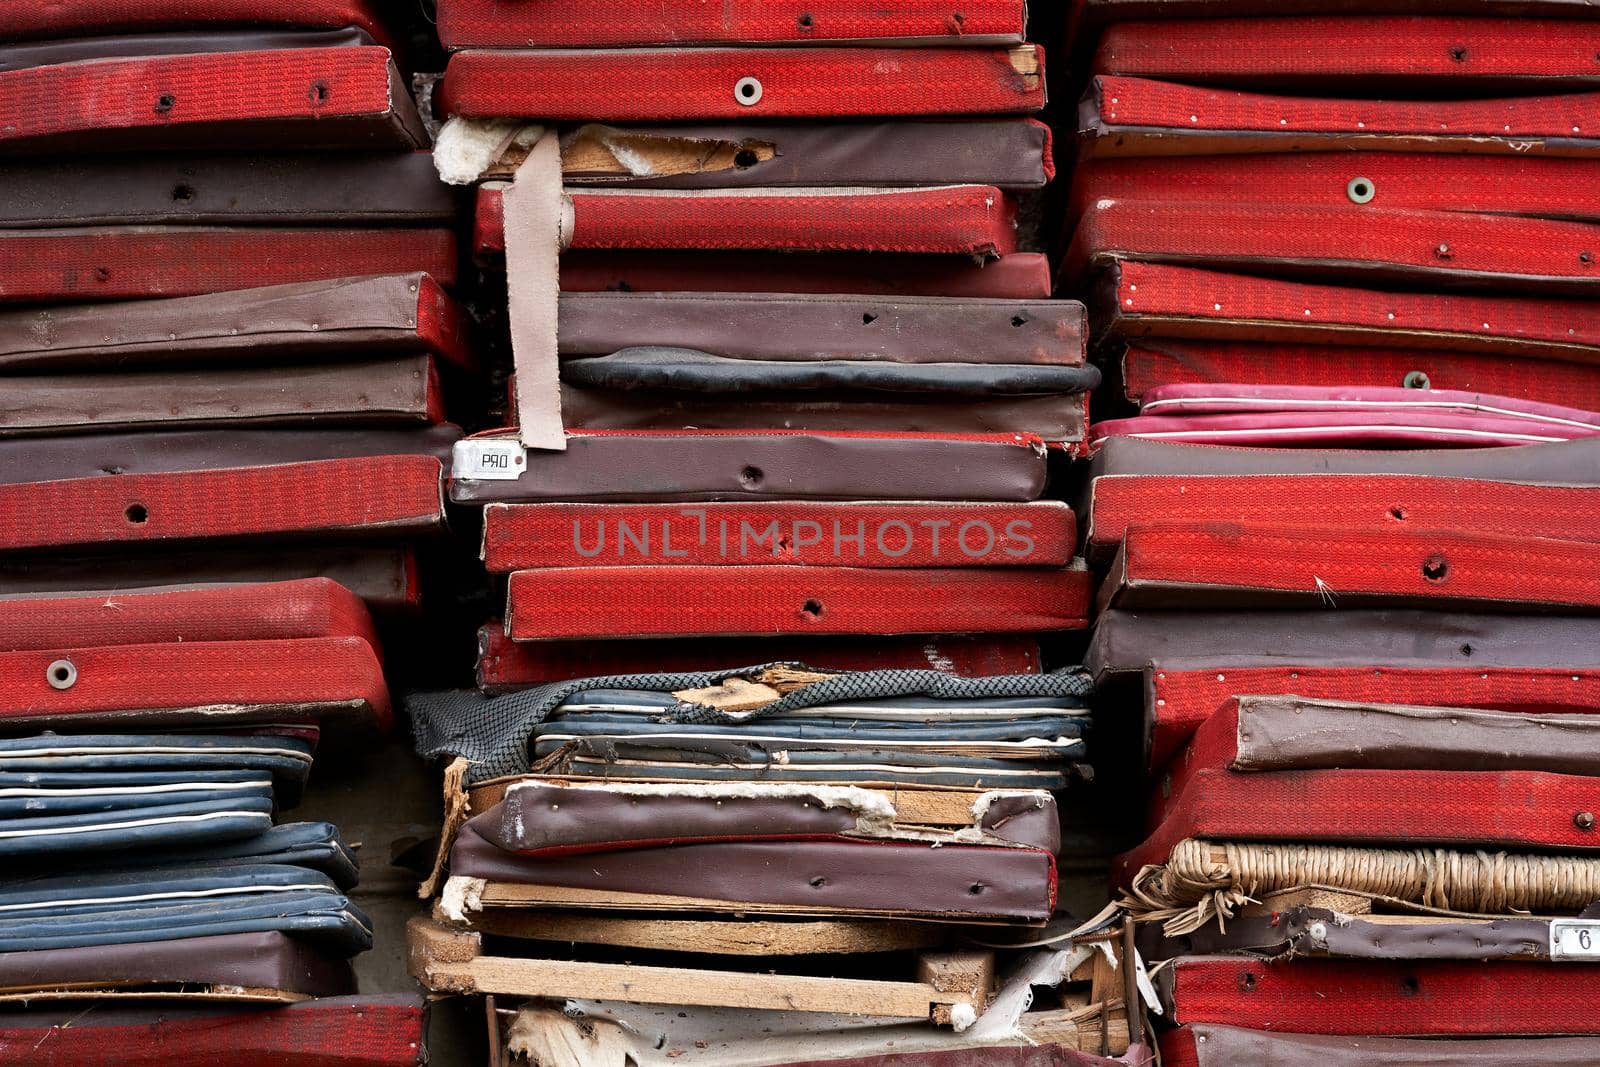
{"x":811,"y":823}
{"x":146,"y":868}
{"x":224,"y":306}
{"x":1341,"y":200}
{"x":1340,"y":260}
{"x":808,"y":386}
{"x":229,"y":356}
{"x":1351,"y":869}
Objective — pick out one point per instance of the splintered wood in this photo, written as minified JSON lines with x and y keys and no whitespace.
{"x":729,"y":937}
{"x":447,"y":960}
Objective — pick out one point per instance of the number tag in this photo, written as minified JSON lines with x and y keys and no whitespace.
{"x":1575,"y":939}
{"x":494,"y":460}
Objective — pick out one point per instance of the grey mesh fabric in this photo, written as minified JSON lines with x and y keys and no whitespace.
{"x":493,"y":733}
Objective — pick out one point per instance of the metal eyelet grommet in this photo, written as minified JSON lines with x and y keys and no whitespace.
{"x":1417,"y":380}
{"x":1361,"y":190}
{"x":747,"y":91}
{"x":61,"y":674}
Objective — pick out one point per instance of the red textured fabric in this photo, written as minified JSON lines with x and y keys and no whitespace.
{"x":82,"y":18}
{"x":506,"y":664}
{"x":1215,"y":746}
{"x":663,"y":85}
{"x":136,"y":262}
{"x":391,"y":495}
{"x":1130,"y":106}
{"x":1041,"y":534}
{"x":1178,"y":1049}
{"x":441,"y":326}
{"x":642,"y":23}
{"x":1387,"y":998}
{"x":342,"y":1032}
{"x":965,"y":219}
{"x":1351,"y":47}
{"x":1544,"y":186}
{"x":193,"y":682}
{"x":607,"y":602}
{"x":1179,"y":701}
{"x":1366,"y":505}
{"x":1152,"y":363}
{"x":1173,"y":301}
{"x":1198,"y":565}
{"x":311,"y":607}
{"x":1519,"y":810}
{"x":1349,"y":241}
{"x":1021,"y":276}
{"x":165,"y":93}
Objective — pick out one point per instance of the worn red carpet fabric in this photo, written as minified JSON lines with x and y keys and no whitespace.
{"x":673,"y":84}
{"x":506,"y":664}
{"x":1517,"y":810}
{"x":398,"y":495}
{"x":1380,"y":504}
{"x":823,"y":534}
{"x":1151,"y":362}
{"x":1229,"y":564}
{"x":1143,"y":117}
{"x":1349,"y":244}
{"x":384,"y":1031}
{"x":1184,"y":301}
{"x":1435,"y":998}
{"x":607,"y":602}
{"x":73,"y":18}
{"x":1549,"y":187}
{"x":134,"y":262}
{"x":643,"y":23}
{"x":345,"y":97}
{"x":957,"y":220}
{"x":190,"y":683}
{"x":1357,"y":51}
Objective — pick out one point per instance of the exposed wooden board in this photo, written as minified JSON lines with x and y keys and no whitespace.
{"x":431,"y":943}
{"x":687,"y":986}
{"x":967,"y":972}
{"x":730,"y":937}
{"x":541,"y":1035}
{"x":519,"y":895}
{"x":914,"y":806}
{"x":934,"y":807}
{"x":497,"y":1050}
{"x":1105,"y":978}
{"x":1087,"y":1029}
